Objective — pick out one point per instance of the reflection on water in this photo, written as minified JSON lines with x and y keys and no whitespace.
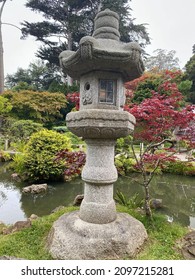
{"x":14,"y":205}
{"x":177,"y":193}
{"x":10,"y":206}
{"x":57,"y":194}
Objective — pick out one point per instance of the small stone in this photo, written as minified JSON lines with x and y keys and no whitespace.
{"x":78,"y":199}
{"x":156,"y":203}
{"x":33,"y":217}
{"x":15,"y":177}
{"x":57,"y":209}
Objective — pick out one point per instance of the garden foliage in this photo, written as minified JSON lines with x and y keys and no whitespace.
{"x":160,"y":109}
{"x":5,"y":105}
{"x":41,"y":107}
{"x":74,"y":162}
{"x":22,"y":129}
{"x":38,"y":161}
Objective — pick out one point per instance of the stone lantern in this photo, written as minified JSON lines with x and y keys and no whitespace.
{"x":102,"y":64}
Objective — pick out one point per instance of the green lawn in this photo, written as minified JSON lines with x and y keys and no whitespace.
{"x":30,"y":243}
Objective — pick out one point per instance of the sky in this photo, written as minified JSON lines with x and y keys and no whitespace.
{"x":170,"y":24}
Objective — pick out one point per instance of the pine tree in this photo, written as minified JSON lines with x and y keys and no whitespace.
{"x":67,"y":21}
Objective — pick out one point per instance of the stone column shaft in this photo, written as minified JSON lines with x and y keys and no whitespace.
{"x":99,"y":174}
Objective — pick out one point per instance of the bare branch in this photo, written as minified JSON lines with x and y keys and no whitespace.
{"x":6,"y":23}
{"x":2,"y":6}
{"x":151,"y":146}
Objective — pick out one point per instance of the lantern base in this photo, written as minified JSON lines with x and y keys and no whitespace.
{"x":74,"y":239}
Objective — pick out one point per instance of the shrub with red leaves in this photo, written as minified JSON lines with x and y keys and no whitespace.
{"x":74,"y":162}
{"x":74,"y":98}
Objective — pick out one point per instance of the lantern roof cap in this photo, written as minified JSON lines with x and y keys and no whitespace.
{"x":104,"y":51}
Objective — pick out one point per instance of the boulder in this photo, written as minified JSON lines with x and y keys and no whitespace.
{"x":17,"y":227}
{"x":188,"y":246}
{"x":35,"y":188}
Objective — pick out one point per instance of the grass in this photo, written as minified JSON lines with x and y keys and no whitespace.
{"x":163,"y":243}
{"x":30,"y":243}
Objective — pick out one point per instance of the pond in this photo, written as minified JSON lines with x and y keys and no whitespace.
{"x":177,"y":193}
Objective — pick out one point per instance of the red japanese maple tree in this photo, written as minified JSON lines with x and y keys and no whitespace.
{"x":157,"y":118}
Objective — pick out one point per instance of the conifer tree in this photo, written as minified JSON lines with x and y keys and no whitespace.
{"x":67,"y":21}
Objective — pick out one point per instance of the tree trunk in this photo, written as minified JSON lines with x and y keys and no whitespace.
{"x":69,"y":79}
{"x":1,"y":62}
{"x":147,"y":199}
{"x":1,"y":51}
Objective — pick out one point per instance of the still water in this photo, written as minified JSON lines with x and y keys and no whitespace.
{"x":176,"y":192}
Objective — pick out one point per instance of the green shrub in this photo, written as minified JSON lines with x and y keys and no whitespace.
{"x":23,"y":129}
{"x":18,"y":146}
{"x":18,"y":163}
{"x":75,"y":140}
{"x":61,"y":129}
{"x":5,"y":105}
{"x":4,"y":156}
{"x":123,"y":144}
{"x":180,"y":168}
{"x":124,"y":164}
{"x":39,"y":156}
{"x":132,"y":203}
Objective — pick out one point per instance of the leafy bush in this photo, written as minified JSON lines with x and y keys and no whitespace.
{"x":132,"y":203}
{"x":125,"y":164}
{"x":4,"y":156}
{"x":74,"y":162}
{"x":41,"y":107}
{"x":22,"y":129}
{"x":61,"y":129}
{"x":180,"y":168}
{"x":5,"y":105}
{"x":144,"y":89}
{"x":19,"y":163}
{"x":123,"y":144}
{"x":75,"y":140}
{"x":39,"y":156}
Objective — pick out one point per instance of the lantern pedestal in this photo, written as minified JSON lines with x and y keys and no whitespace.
{"x":74,"y":239}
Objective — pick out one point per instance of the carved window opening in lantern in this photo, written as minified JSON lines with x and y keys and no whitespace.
{"x":107,"y":91}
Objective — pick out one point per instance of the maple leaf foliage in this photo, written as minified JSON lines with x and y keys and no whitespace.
{"x":158,"y":116}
